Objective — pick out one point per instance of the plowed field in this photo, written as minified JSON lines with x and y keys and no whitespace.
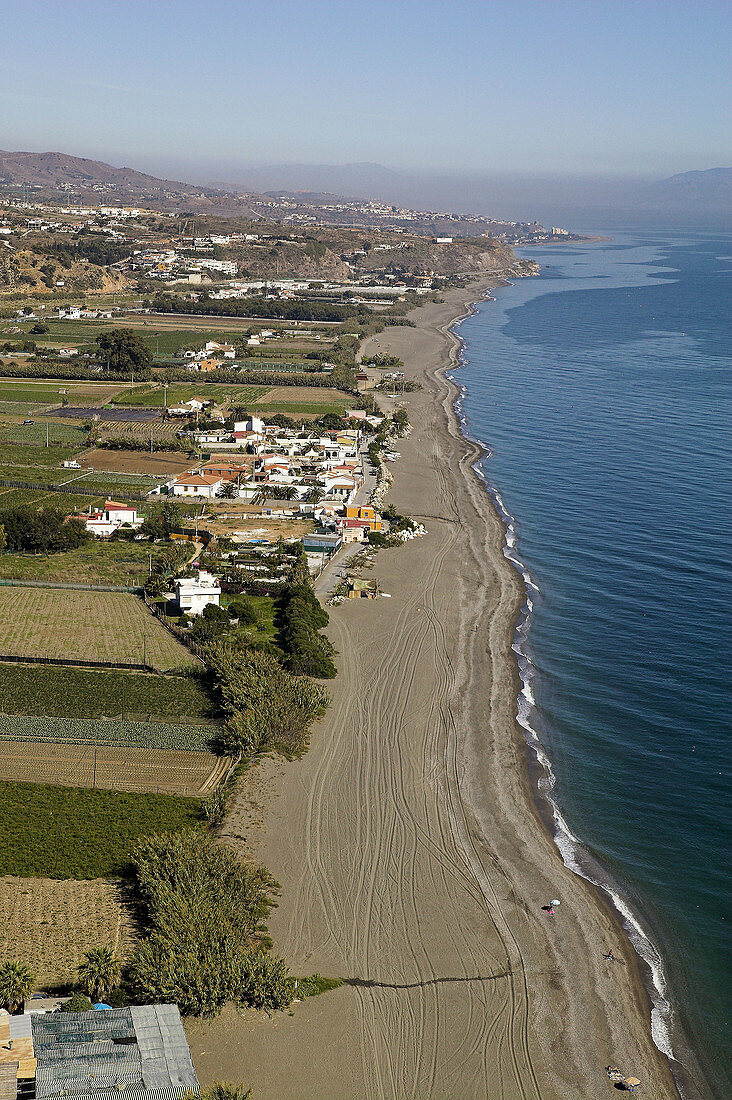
{"x":86,"y":626}
{"x":154,"y":771}
{"x":49,"y":924}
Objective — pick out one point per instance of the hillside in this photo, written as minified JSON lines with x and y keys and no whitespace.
{"x":709,"y":189}
{"x":58,"y":177}
{"x":43,"y":275}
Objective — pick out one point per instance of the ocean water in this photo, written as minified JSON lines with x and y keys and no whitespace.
{"x":603,"y":389}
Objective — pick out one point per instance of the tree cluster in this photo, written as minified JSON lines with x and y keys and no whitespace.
{"x":261,"y":307}
{"x":308,"y":652}
{"x":265,"y":705}
{"x":41,"y":530}
{"x":123,"y":350}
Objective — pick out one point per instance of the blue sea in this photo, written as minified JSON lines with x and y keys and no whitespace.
{"x":603,"y":390}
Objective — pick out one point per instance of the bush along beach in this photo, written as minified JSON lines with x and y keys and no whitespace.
{"x":206,"y":943}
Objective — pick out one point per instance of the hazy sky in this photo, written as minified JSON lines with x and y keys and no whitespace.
{"x":527,"y":86}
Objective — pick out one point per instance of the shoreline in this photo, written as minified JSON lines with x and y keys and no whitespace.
{"x":571,"y":848}
{"x":413,"y":857}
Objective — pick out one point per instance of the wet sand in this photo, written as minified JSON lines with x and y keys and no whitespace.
{"x":412,"y":858}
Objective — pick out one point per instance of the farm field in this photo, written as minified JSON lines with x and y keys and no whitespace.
{"x":114,"y":484}
{"x":94,"y":562}
{"x":220,"y":393}
{"x":109,"y":732}
{"x":71,"y":832}
{"x":41,"y":475}
{"x":53,"y":393}
{"x":21,"y":408}
{"x":49,"y":924}
{"x":105,"y":767}
{"x":86,"y":626}
{"x":167,"y":333}
{"x":312,"y":395}
{"x":43,"y":498}
{"x":305,"y":409}
{"x":163,"y":464}
{"x":29,"y":454}
{"x":162,"y":431}
{"x":67,"y":432}
{"x":104,"y":693}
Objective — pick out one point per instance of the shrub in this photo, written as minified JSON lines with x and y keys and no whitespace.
{"x":309,"y":653}
{"x":265,"y":706}
{"x":207,"y":942}
{"x":78,"y":1002}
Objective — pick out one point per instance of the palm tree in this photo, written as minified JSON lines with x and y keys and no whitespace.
{"x":223,"y":1090}
{"x":99,"y":972}
{"x":16,"y":984}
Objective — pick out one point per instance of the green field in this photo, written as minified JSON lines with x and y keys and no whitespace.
{"x":69,"y":432}
{"x":68,"y":832}
{"x":21,"y":454}
{"x":299,"y":408}
{"x":44,"y":498}
{"x":119,"y":483}
{"x":220,"y":393}
{"x":94,"y":562}
{"x":54,"y":393}
{"x":88,"y":693}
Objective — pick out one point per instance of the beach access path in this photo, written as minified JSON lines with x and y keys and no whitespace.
{"x":412,"y":858}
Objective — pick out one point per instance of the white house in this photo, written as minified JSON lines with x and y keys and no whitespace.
{"x":195,"y":593}
{"x":104,"y":522}
{"x":197,"y":485}
{"x":253,"y":424}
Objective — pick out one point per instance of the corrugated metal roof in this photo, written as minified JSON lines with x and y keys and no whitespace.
{"x":89,"y":1056}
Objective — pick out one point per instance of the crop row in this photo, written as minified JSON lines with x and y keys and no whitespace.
{"x":93,"y":731}
{"x":64,"y":692}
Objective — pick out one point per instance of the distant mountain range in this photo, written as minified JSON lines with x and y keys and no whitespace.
{"x":712,"y":188}
{"x":355,"y":181}
{"x":58,"y":176}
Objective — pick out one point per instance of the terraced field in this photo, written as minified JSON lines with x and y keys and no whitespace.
{"x":86,"y":626}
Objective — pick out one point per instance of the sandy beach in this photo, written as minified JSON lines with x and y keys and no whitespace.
{"x":412,"y":858}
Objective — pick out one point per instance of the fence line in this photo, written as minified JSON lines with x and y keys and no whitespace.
{"x":19,"y":658}
{"x":181,"y":635}
{"x":76,"y":488}
{"x":73,"y":586}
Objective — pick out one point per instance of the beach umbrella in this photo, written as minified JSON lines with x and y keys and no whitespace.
{"x":555,"y":901}
{"x":632,"y":1081}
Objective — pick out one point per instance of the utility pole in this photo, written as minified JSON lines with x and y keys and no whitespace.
{"x":46,"y":433}
{"x":94,"y":781}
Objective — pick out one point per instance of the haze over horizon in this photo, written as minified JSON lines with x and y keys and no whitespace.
{"x":505,"y":99}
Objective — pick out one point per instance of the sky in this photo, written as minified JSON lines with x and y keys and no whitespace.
{"x":528,"y":87}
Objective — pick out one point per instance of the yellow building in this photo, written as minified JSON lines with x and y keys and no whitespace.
{"x":366,"y":514}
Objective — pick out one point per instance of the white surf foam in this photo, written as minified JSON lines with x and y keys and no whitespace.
{"x":572,"y":851}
